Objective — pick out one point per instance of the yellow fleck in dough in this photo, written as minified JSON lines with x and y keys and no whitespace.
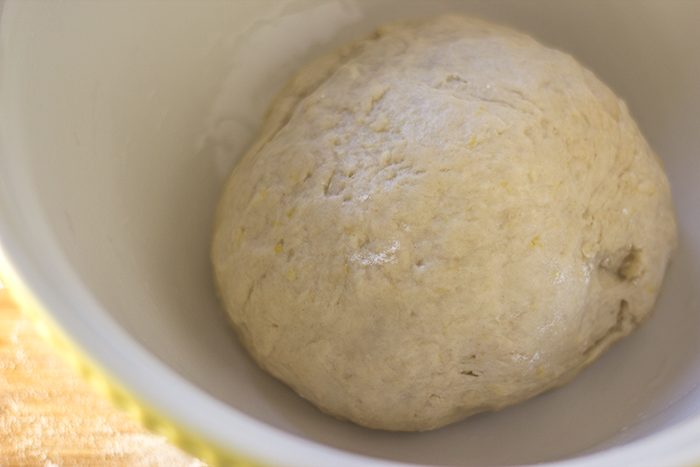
{"x":419,"y":290}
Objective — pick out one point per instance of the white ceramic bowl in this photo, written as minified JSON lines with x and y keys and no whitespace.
{"x":121,"y":120}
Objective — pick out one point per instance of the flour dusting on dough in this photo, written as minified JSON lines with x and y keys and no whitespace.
{"x":455,"y":219}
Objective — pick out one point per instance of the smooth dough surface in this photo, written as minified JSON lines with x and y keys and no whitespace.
{"x":442,"y":218}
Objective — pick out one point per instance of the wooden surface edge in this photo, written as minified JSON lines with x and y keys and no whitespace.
{"x":51,"y":417}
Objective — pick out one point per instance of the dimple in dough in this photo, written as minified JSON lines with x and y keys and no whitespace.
{"x":440,"y":219}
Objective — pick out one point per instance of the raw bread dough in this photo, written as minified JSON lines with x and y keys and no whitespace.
{"x":440,"y":219}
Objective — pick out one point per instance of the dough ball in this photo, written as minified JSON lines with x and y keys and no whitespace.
{"x":440,"y":219}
